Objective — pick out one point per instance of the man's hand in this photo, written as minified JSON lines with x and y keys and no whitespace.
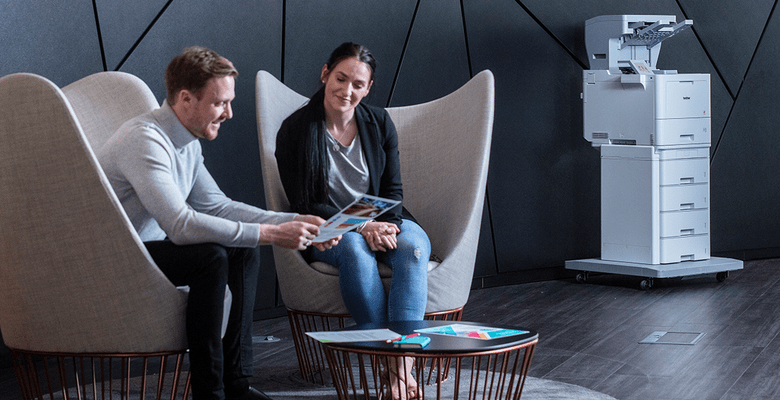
{"x":315,"y":220}
{"x":291,"y":235}
{"x":312,"y":219}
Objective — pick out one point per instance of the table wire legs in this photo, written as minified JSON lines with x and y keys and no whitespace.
{"x":487,"y":375}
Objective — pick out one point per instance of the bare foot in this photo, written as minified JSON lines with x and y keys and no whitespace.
{"x":398,"y":379}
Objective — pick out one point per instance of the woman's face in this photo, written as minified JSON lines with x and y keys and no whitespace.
{"x":345,"y":85}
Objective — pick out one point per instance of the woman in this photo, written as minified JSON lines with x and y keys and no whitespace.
{"x":335,"y":149}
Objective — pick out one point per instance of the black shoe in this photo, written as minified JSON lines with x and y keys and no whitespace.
{"x":252,"y":394}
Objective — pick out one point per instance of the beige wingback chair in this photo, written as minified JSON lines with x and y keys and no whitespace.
{"x":103,"y":101}
{"x":444,"y":148}
{"x":76,"y":281}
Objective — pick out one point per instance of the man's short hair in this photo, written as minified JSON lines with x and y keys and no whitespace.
{"x":192,"y":69}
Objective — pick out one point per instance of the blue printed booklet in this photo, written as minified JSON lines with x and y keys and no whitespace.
{"x":364,"y":208}
{"x":471,"y":331}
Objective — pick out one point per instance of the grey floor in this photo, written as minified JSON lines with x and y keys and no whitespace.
{"x":590,"y":334}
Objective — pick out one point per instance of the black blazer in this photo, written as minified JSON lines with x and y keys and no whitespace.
{"x":380,"y":147}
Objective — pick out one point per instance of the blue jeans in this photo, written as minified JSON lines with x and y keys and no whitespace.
{"x":361,"y":286}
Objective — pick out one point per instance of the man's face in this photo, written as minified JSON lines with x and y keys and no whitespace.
{"x":204,"y":116}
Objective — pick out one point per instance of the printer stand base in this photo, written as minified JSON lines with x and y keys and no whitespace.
{"x":713,"y":265}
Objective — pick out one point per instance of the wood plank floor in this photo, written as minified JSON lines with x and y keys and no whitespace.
{"x":590,"y":334}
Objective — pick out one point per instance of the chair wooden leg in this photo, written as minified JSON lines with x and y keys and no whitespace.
{"x":99,"y":376}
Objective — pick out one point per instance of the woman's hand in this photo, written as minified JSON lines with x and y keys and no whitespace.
{"x":380,"y":236}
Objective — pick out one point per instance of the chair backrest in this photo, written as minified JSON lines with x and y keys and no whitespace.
{"x":269,"y":119}
{"x":444,"y":148}
{"x":74,"y":275}
{"x":118,"y":95}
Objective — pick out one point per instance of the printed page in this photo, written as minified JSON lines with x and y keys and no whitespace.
{"x":364,"y":208}
{"x":365,"y":335}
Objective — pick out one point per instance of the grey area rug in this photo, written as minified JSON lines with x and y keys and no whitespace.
{"x":286,"y":384}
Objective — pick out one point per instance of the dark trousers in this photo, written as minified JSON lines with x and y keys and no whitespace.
{"x":219,"y":366}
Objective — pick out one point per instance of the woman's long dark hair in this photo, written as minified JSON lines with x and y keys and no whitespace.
{"x":315,"y":157}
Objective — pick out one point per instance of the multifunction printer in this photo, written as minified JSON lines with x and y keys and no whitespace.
{"x":653,"y":129}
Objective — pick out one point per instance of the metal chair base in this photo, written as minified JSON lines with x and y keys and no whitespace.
{"x":101,"y":376}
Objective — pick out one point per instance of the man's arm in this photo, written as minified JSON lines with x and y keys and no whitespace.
{"x":288,"y":230}
{"x":149,"y":164}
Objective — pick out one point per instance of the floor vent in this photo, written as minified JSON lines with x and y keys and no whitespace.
{"x":662,"y":337}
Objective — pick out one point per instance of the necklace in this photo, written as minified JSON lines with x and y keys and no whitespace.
{"x":346,"y":135}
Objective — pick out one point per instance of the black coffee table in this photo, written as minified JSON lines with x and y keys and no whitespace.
{"x":485,"y":369}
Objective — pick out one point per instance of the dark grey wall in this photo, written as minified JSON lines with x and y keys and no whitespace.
{"x":543,"y":188}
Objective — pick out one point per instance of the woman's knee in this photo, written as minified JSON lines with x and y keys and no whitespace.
{"x":352,"y":246}
{"x":413,"y":239}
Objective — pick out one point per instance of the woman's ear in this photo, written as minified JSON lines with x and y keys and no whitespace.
{"x":324,"y":73}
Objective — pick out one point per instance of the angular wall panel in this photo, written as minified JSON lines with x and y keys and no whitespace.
{"x":122,"y":23}
{"x":745,"y":181}
{"x":730,"y":32}
{"x":54,"y":39}
{"x":435,"y":62}
{"x":315,"y":28}
{"x":544,"y":177}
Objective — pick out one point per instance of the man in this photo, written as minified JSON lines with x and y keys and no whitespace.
{"x":195,"y":234}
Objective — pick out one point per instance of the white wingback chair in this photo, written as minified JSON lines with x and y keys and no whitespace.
{"x":102,"y":102}
{"x":444,"y":148}
{"x":75,"y":279}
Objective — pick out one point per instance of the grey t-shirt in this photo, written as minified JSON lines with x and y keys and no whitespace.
{"x":348,"y":174}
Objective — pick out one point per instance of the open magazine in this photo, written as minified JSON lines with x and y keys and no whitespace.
{"x":364,"y":208}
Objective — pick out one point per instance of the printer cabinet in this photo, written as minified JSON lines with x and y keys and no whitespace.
{"x":664,"y":110}
{"x":654,"y":204}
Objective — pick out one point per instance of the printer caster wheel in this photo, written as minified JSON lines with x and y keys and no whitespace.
{"x":721,"y":276}
{"x":646,"y":284}
{"x":582,"y":277}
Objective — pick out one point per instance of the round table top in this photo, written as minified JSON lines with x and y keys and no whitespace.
{"x":439,"y":343}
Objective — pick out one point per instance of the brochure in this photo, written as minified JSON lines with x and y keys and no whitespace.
{"x":364,"y":208}
{"x":471,"y":331}
{"x":363,"y":335}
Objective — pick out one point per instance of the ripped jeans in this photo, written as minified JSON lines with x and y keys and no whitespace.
{"x":361,"y":287}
